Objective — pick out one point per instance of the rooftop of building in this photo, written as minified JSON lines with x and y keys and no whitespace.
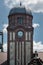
{"x":3,"y":58}
{"x":20,"y":10}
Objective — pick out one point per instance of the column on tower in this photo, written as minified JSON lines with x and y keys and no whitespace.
{"x":28,"y":52}
{"x":12,"y":53}
{"x":22,"y":53}
{"x":16,"y":53}
{"x":19,"y":53}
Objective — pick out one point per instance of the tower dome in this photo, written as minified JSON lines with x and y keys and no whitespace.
{"x":20,"y":10}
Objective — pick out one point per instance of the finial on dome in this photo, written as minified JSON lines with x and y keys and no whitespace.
{"x":20,"y":3}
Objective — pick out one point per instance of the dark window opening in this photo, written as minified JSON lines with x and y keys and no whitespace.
{"x":20,"y":20}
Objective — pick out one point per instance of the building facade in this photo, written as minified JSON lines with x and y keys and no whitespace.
{"x":20,"y":36}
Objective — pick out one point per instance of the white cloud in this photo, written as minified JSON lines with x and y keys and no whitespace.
{"x":35,"y":5}
{"x":4,"y":28}
{"x":5,"y":47}
{"x":37,"y":46}
{"x":35,"y":25}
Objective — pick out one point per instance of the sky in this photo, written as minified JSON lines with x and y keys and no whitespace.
{"x":36,"y":6}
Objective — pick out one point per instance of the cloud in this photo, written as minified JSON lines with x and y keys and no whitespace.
{"x":37,"y":46}
{"x":5,"y":47}
{"x":35,"y":5}
{"x":4,"y":28}
{"x":38,"y":7}
{"x":35,"y":25}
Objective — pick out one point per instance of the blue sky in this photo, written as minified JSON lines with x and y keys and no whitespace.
{"x":38,"y":32}
{"x":37,"y":11}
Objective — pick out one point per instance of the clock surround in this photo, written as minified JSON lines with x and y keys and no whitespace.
{"x":20,"y":34}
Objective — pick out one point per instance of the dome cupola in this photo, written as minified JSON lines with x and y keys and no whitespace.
{"x":20,"y":10}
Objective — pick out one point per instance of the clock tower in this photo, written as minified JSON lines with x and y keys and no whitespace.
{"x":20,"y":36}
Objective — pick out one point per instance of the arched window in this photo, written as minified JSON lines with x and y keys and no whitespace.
{"x":20,"y":20}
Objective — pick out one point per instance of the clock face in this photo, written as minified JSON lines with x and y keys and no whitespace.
{"x":20,"y":34}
